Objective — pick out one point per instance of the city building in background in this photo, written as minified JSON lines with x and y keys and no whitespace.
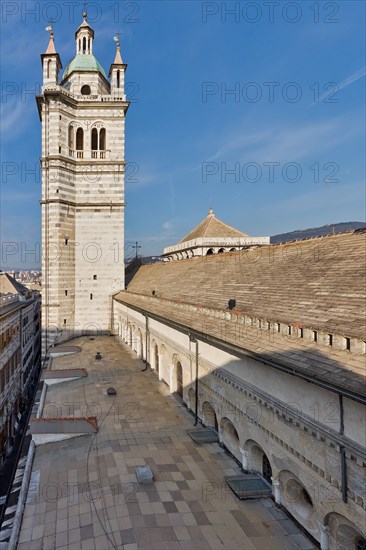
{"x":20,"y":355}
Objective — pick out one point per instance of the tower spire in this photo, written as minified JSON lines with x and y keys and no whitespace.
{"x":51,"y":44}
{"x":118,"y":57}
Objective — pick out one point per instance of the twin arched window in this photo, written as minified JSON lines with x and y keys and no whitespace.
{"x":98,"y":142}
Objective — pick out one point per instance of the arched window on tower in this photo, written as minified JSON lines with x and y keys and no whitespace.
{"x":118,"y":79}
{"x":49,"y":62}
{"x":94,"y":143}
{"x":102,"y":142}
{"x":79,"y":143}
{"x":84,"y":44}
{"x":79,"y":45}
{"x":71,"y":141}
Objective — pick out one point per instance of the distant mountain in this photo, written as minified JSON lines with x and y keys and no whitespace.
{"x":317,"y":231}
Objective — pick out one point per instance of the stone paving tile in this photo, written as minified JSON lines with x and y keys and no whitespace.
{"x":88,"y":496}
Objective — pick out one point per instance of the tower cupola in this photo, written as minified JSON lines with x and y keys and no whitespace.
{"x":84,"y":37}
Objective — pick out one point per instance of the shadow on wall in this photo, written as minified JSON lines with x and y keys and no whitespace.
{"x":293,"y":441}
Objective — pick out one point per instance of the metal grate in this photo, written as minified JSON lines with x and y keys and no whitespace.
{"x":249,"y":486}
{"x":204,"y":435}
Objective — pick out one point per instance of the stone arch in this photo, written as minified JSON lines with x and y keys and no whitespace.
{"x":177,"y":376}
{"x":229,"y":436}
{"x":297,"y":500}
{"x":232,"y":249}
{"x":209,"y":252}
{"x":258,"y":459}
{"x":209,"y":416}
{"x":343,"y":534}
{"x":221,"y":250}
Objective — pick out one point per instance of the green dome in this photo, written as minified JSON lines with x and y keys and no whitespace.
{"x":83,"y":62}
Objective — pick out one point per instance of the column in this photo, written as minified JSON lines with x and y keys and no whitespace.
{"x":276,"y":490}
{"x":324,"y":537}
{"x":245,"y":459}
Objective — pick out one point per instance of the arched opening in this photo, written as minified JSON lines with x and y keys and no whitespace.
{"x":232,"y":249}
{"x":85,"y":90}
{"x":118,"y":79}
{"x":94,"y":141}
{"x":266,"y":468}
{"x":102,"y":135}
{"x":88,"y":45}
{"x":229,"y":436}
{"x":80,"y":142}
{"x":343,"y":534}
{"x":221,"y":250}
{"x":80,"y":139}
{"x":49,"y":62}
{"x":84,"y":44}
{"x":179,"y":379}
{"x":209,"y":252}
{"x":209,"y":416}
{"x":360,"y":543}
{"x":259,"y":461}
{"x":296,"y":498}
{"x":79,"y":45}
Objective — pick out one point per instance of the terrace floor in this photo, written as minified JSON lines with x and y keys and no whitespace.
{"x":84,"y":492}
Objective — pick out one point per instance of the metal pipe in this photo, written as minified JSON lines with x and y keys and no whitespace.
{"x":196,"y":386}
{"x":146,"y":342}
{"x":343,"y":473}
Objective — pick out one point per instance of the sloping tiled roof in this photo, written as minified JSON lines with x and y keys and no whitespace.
{"x":8,"y":285}
{"x":212,"y":227}
{"x":317,"y":282}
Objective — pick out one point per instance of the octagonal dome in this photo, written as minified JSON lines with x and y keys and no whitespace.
{"x":83,"y":62}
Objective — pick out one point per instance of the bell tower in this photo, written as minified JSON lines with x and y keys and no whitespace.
{"x":83,"y":164}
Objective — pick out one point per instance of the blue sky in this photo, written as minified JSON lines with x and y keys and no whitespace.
{"x":283,"y":151}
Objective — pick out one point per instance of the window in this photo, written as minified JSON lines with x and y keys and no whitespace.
{"x":102,"y":139}
{"x":64,"y":321}
{"x":361,"y":544}
{"x":315,"y":336}
{"x":91,"y":296}
{"x":94,"y":277}
{"x":79,"y":45}
{"x":94,"y":139}
{"x":84,"y":45}
{"x":348,"y":344}
{"x":66,"y":240}
{"x":49,"y":62}
{"x":59,"y":150}
{"x":118,"y":79}
{"x":65,"y":292}
{"x":85,"y":90}
{"x":79,"y":139}
{"x":330,"y":339}
{"x":301,"y":333}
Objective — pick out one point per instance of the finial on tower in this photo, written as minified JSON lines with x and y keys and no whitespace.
{"x":211,"y":213}
{"x":118,"y":58}
{"x":51,"y":44}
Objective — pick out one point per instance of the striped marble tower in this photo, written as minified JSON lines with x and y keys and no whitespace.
{"x":83,"y":165}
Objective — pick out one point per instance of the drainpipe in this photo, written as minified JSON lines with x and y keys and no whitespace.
{"x":146,"y":342}
{"x":342,"y":450}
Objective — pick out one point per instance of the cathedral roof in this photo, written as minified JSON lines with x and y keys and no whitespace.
{"x":212,"y":227}
{"x":83,"y":62}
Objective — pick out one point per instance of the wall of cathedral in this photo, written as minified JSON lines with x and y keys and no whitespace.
{"x":266,"y":416}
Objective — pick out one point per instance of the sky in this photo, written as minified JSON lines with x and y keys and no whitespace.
{"x":253,"y":108}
